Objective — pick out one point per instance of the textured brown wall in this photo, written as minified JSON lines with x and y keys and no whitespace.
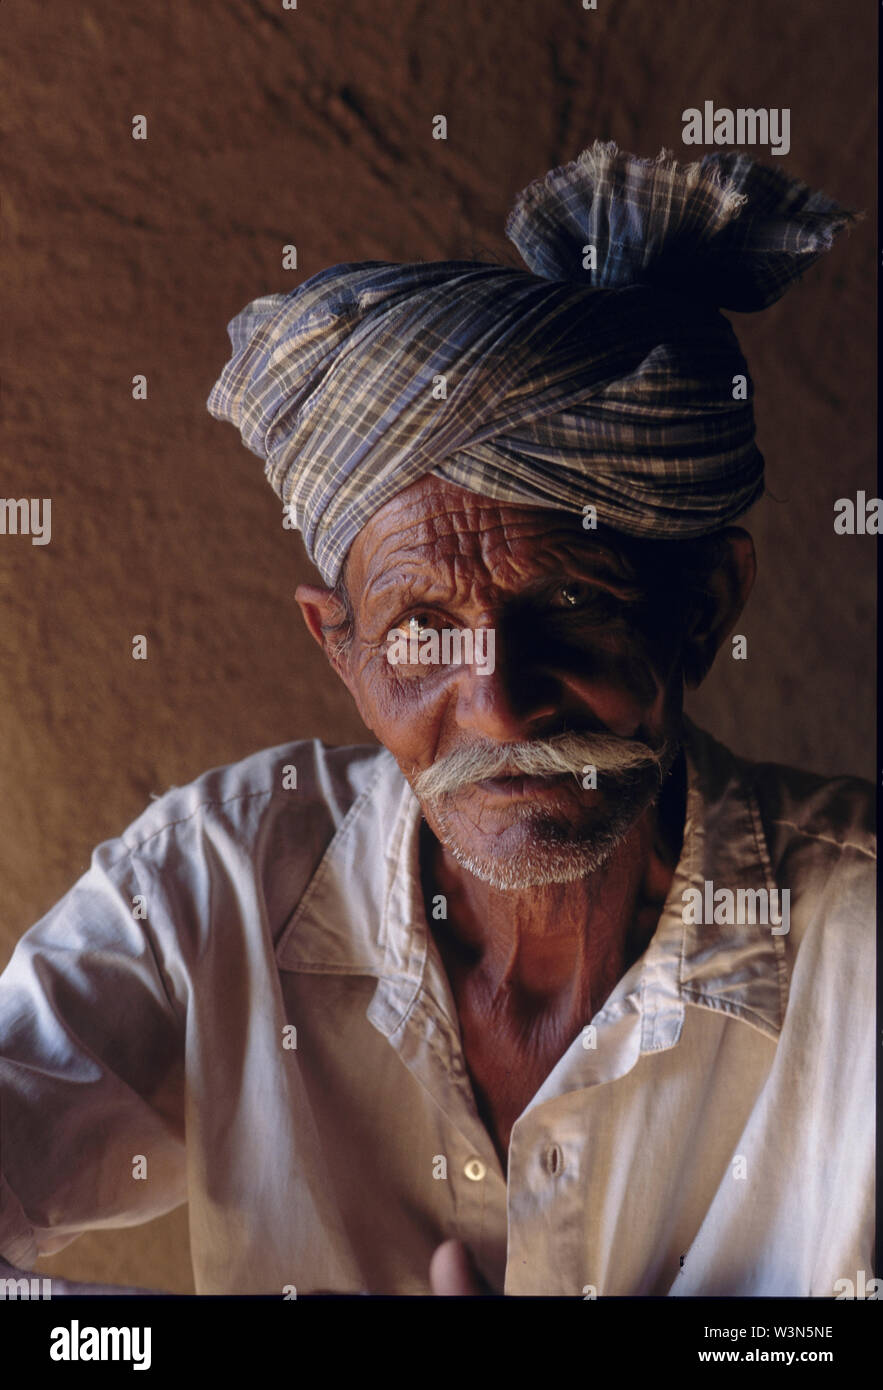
{"x":312,"y":126}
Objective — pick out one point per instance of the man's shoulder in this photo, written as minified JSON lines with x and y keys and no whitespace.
{"x":833,"y":812}
{"x":815,"y":836}
{"x":306,"y":782}
{"x":820,"y":833}
{"x":834,"y":816}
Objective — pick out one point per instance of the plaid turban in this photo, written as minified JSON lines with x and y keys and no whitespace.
{"x":604,"y":374}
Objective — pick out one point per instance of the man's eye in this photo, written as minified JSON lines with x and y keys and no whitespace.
{"x":589,"y":605}
{"x":577,"y":596}
{"x":416,"y":623}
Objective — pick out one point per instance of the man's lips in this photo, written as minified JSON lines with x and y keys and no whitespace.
{"x":520,"y":785}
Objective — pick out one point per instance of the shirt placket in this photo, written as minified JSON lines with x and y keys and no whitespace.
{"x":551,"y":1158}
{"x":414,"y":1008}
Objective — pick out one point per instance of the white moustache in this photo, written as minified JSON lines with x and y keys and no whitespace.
{"x":541,"y":758}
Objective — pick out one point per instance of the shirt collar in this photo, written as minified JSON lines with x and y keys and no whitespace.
{"x":363,"y":911}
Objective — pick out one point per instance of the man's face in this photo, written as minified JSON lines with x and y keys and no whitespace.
{"x":587,"y":655}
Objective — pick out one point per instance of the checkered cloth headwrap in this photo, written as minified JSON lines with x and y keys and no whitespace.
{"x":572,"y":382}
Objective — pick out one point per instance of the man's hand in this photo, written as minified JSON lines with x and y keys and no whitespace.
{"x":452,"y":1271}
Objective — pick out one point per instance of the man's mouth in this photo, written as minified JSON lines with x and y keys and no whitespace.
{"x":517,"y":784}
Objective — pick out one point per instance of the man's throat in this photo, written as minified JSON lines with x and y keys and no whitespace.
{"x":556,"y":947}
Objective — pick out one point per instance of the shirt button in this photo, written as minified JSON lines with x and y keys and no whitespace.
{"x":474,"y":1169}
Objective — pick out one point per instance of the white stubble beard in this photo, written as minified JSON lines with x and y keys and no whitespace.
{"x":553,"y":856}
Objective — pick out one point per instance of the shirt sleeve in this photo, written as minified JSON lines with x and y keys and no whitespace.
{"x":91,"y":1064}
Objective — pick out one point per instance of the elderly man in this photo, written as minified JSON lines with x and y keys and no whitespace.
{"x":550,"y":994}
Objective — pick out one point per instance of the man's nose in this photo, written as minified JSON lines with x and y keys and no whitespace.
{"x":507,"y":703}
{"x":532,"y":692}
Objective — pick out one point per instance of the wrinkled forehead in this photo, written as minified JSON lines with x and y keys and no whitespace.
{"x":434,"y":525}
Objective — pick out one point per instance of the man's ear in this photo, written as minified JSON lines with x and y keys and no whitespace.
{"x":717,"y":609}
{"x":322,"y":611}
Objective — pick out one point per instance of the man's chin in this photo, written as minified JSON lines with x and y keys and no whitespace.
{"x":538,"y":865}
{"x":529,"y":849}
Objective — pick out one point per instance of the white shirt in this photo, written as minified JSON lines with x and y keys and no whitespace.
{"x":717,"y":1139}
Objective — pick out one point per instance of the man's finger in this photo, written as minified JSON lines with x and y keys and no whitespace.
{"x":452,"y":1271}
